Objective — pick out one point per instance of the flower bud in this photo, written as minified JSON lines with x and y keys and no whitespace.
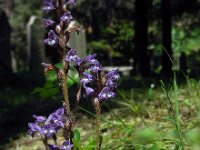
{"x":58,"y":29}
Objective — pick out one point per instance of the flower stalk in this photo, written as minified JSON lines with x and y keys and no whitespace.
{"x":98,"y":128}
{"x":65,"y":89}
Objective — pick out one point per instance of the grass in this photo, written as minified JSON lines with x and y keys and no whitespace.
{"x":151,"y":118}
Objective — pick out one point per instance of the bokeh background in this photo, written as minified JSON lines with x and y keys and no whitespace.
{"x":148,"y":40}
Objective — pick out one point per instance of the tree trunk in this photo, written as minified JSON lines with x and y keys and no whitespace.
{"x":141,"y":59}
{"x":166,"y":38}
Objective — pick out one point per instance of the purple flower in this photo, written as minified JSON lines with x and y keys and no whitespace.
{"x":48,"y":5}
{"x":109,"y":83}
{"x":50,"y":126}
{"x":113,"y":75}
{"x":60,"y":111}
{"x":89,"y":58}
{"x":70,"y":2}
{"x":39,"y":119}
{"x":48,"y":22}
{"x":87,"y":78}
{"x":72,"y":57}
{"x":48,"y":130}
{"x":91,"y":63}
{"x":34,"y":127}
{"x":66,"y":145}
{"x":53,"y":147}
{"x":56,"y":118}
{"x":52,"y":39}
{"x":95,"y":68}
{"x":106,"y":93}
{"x":67,"y":17}
{"x":88,"y":90}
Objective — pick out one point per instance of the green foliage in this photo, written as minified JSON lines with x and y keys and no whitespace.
{"x":77,"y":142}
{"x":50,"y":87}
{"x":117,"y":39}
{"x":184,"y":41}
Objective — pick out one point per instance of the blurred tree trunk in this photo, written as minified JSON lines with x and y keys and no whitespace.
{"x":111,"y":4}
{"x":141,"y":59}
{"x":166,"y":38}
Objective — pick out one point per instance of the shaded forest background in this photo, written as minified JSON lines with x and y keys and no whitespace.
{"x":153,"y":36}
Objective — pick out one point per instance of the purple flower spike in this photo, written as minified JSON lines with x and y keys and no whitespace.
{"x":67,"y":17}
{"x":106,"y":93}
{"x":72,"y":57}
{"x":52,"y":39}
{"x":48,"y":23}
{"x":53,"y":147}
{"x":48,"y":5}
{"x":66,"y":145}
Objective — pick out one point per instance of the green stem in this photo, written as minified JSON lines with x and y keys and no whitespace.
{"x":177,"y":112}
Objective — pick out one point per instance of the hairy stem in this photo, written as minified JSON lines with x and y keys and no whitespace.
{"x":98,"y":129}
{"x":65,"y":89}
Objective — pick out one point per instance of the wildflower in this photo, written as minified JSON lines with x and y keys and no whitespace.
{"x":113,"y":75}
{"x":48,"y":130}
{"x":34,"y":127}
{"x":39,"y":119}
{"x":89,"y":58}
{"x":48,"y":22}
{"x":72,"y":57}
{"x":109,"y":83}
{"x":95,"y":68}
{"x":67,"y":17}
{"x":88,"y":90}
{"x":66,"y":145}
{"x":48,"y":5}
{"x":87,"y":78}
{"x":56,"y":118}
{"x":52,"y":39}
{"x":91,"y":63}
{"x":47,"y":127}
{"x":106,"y":93}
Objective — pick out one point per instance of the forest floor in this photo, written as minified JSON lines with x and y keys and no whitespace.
{"x":142,"y":118}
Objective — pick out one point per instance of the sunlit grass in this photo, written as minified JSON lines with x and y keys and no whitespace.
{"x":139,"y":121}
